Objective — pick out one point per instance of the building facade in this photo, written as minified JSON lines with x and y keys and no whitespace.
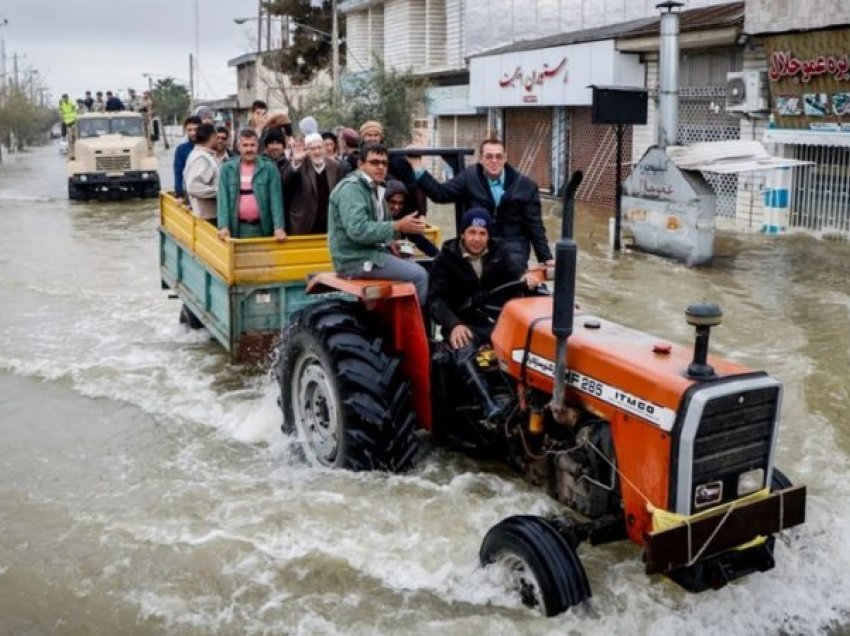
{"x":480,"y":54}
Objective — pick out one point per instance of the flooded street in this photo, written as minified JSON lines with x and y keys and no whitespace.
{"x":145,"y":487}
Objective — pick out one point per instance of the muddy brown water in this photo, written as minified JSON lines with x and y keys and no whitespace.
{"x":145,"y":487}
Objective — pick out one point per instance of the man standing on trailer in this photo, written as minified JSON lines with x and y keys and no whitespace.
{"x":250,"y":197}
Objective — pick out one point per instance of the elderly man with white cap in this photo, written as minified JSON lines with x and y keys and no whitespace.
{"x":307,"y":182}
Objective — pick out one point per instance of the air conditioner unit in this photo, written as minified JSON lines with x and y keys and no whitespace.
{"x":746,"y":92}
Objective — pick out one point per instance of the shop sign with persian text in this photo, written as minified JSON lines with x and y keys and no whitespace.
{"x":555,"y":76}
{"x":810,"y":79}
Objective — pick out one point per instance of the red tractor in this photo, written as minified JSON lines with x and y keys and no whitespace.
{"x":638,"y":439}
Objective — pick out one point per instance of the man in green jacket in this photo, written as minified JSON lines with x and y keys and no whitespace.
{"x":250,"y":197}
{"x":360,"y":229}
{"x":68,"y":111}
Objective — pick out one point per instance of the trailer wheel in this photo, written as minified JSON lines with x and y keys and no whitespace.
{"x":779,"y":480}
{"x":537,"y":563}
{"x":343,"y":394}
{"x":188,"y":318}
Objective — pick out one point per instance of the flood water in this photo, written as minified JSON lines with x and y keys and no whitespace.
{"x":145,"y":487}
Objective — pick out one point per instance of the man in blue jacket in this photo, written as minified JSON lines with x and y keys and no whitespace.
{"x":181,"y":153}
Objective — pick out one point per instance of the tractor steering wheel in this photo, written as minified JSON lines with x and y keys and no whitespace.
{"x":489,"y":304}
{"x":494,"y":300}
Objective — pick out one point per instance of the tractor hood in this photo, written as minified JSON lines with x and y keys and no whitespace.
{"x":609,"y":366}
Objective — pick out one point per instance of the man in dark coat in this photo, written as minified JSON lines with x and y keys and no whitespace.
{"x":471,"y":266}
{"x":113,"y":103}
{"x":308,"y":181}
{"x":512,"y":199}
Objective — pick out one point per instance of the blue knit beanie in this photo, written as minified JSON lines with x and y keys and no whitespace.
{"x":477,"y":216}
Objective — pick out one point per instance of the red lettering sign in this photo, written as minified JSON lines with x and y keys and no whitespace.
{"x":784,"y":64}
{"x":535,"y":78}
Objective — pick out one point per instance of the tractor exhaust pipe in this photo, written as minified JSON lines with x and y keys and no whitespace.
{"x":564,"y":297}
{"x":703,"y":316}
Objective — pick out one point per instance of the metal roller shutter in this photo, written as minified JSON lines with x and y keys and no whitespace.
{"x":528,"y":141}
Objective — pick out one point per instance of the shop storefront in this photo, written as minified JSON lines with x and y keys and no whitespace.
{"x":543,"y":100}
{"x":809,"y":78}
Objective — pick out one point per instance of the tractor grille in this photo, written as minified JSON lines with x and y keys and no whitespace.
{"x":112,"y":164}
{"x":735,"y":435}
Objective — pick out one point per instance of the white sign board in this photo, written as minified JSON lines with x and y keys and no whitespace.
{"x":556,"y":76}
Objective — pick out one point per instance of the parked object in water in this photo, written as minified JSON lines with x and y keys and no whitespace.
{"x":110,"y":156}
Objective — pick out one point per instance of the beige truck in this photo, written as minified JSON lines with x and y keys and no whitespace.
{"x":111,"y":156}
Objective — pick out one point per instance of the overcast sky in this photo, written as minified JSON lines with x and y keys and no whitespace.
{"x":79,"y":45}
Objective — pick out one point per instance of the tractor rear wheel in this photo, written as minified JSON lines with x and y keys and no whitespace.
{"x":537,"y":563}
{"x":343,"y":394}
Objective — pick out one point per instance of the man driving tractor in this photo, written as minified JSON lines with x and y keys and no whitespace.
{"x":465,"y":271}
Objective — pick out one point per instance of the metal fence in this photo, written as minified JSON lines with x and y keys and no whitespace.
{"x":702,"y":117}
{"x":820,"y":195}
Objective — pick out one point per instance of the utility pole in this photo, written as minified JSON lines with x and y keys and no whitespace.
{"x":259,"y":29}
{"x":191,"y":82}
{"x":3,"y":22}
{"x":335,"y":44}
{"x":15,"y":58}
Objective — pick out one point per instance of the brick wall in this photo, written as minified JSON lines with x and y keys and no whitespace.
{"x":528,"y":139}
{"x":593,"y":151}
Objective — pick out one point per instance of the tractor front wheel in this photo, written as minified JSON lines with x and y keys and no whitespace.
{"x":343,"y":394}
{"x":537,"y":563}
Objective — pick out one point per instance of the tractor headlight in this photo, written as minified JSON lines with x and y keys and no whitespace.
{"x":145,"y":175}
{"x":750,"y":481}
{"x":83,"y":177}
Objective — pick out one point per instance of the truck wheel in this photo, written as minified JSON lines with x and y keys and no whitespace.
{"x":537,"y":563}
{"x":779,"y":480}
{"x":343,"y":394}
{"x":188,"y":318}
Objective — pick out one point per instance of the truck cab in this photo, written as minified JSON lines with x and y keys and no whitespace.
{"x":110,"y":155}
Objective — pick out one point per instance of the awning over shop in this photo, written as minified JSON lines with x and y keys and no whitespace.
{"x":728,"y":157}
{"x":802,"y":137}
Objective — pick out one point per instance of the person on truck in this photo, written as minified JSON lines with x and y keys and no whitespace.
{"x":250,"y":196}
{"x":181,"y":153}
{"x":68,"y":111}
{"x":511,"y":198}
{"x":360,"y":230}
{"x":201,"y":175}
{"x":113,"y":103}
{"x":471,"y":266}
